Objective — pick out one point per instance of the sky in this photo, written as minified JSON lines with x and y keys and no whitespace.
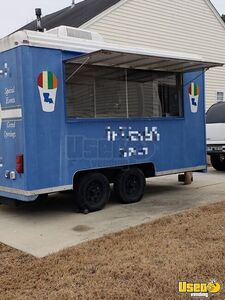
{"x":15,"y":14}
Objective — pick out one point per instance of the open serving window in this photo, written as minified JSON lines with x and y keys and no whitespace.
{"x":118,"y":84}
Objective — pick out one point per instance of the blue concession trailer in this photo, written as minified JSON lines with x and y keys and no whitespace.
{"x":77,"y":113}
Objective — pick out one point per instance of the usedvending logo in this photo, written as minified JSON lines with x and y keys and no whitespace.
{"x":194,"y":92}
{"x":198,"y":289}
{"x":47,"y":85}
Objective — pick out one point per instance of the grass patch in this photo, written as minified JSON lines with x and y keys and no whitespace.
{"x":145,"y":262}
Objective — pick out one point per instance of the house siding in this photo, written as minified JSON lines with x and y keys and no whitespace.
{"x":185,"y":26}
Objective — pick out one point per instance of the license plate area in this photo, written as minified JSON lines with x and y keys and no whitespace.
{"x":216,"y":148}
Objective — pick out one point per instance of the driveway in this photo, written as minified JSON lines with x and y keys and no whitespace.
{"x":48,"y":226}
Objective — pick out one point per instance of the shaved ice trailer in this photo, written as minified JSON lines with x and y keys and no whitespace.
{"x":77,"y":113}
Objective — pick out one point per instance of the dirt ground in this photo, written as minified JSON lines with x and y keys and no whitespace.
{"x":145,"y":262}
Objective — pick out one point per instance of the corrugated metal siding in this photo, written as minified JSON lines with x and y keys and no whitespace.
{"x":187,"y":26}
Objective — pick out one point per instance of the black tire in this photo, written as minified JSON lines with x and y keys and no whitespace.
{"x":42,"y":197}
{"x":129,"y":185}
{"x":92,"y":192}
{"x":218,"y":162}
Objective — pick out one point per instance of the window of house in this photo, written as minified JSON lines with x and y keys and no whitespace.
{"x":219,"y":96}
{"x":104,"y":92}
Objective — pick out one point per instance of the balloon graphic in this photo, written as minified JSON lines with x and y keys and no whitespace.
{"x":47,"y":85}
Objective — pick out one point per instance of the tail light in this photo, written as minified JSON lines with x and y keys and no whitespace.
{"x":19,"y":164}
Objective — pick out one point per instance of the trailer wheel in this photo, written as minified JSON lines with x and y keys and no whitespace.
{"x":92,"y":192}
{"x":218,"y":162}
{"x":129,"y":186}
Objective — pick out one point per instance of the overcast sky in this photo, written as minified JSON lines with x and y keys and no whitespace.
{"x":15,"y":14}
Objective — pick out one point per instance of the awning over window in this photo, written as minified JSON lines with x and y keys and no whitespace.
{"x":144,"y":60}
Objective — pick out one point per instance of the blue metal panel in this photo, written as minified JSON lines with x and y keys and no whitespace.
{"x":44,"y":131}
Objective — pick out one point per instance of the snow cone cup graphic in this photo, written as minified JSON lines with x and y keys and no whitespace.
{"x":194,"y":93}
{"x":47,"y":85}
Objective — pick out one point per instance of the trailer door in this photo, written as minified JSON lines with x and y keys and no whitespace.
{"x":11,"y":113}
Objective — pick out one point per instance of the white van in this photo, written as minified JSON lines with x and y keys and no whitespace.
{"x":215,"y":132}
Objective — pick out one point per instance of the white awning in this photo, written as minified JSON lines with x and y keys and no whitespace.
{"x":144,"y":60}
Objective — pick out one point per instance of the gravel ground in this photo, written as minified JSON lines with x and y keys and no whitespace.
{"x":145,"y":262}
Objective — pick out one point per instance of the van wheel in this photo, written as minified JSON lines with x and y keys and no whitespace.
{"x":129,"y":186}
{"x":92,"y":192}
{"x":218,"y":162}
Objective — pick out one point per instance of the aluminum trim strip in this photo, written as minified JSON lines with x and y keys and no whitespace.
{"x":36,"y":192}
{"x":176,"y":171}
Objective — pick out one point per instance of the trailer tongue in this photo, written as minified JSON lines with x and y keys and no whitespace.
{"x":78,"y":114}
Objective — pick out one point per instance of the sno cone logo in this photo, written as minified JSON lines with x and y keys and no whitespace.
{"x":194,"y":92}
{"x":47,"y":85}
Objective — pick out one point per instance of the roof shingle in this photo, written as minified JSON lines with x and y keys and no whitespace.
{"x":74,"y":16}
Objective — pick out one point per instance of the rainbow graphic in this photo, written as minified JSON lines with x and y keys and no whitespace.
{"x":47,"y":80}
{"x":194,"y":89}
{"x":194,"y":92}
{"x":47,"y":86}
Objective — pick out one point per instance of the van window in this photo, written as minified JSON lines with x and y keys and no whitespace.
{"x":216,"y":113}
{"x":103,"y":92}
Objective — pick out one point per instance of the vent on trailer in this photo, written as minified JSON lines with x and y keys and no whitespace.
{"x":72,"y":32}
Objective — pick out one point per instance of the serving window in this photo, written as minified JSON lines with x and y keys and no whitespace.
{"x":109,"y":92}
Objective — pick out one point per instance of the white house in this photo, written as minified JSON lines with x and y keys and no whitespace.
{"x":191,"y":26}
